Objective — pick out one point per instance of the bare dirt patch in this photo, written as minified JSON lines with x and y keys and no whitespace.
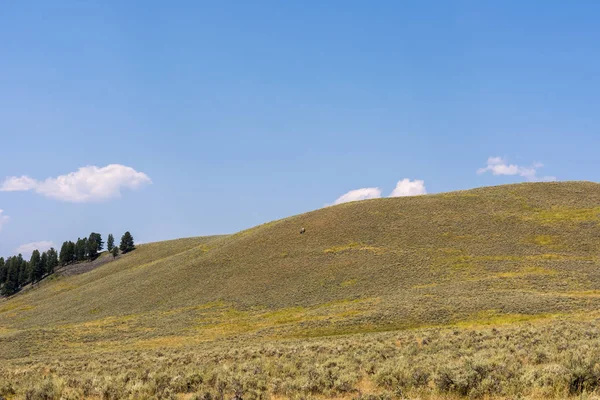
{"x":86,"y":266}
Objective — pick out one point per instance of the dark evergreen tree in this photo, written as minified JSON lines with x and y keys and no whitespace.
{"x":71,"y":251}
{"x":52,"y":261}
{"x":64,"y":254}
{"x":10,"y":285}
{"x":84,"y":244}
{"x":44,"y":263}
{"x":36,"y":271}
{"x":81,"y":249}
{"x":110,"y":242}
{"x":13,"y":270}
{"x":115,"y":251}
{"x":96,"y":237}
{"x":92,"y":248}
{"x":3,"y":270}
{"x":23,"y":271}
{"x":16,"y":270}
{"x":9,"y":288}
{"x":67,"y":253}
{"x":127,"y":243}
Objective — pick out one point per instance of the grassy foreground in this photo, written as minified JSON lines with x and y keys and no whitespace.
{"x":545,"y":359}
{"x":474,"y":293}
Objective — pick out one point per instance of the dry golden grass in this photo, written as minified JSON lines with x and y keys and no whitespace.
{"x":489,"y":256}
{"x":539,"y":358}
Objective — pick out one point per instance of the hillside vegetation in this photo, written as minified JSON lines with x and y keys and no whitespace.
{"x":494,"y":255}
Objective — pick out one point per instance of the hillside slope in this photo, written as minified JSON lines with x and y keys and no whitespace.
{"x":502,"y":252}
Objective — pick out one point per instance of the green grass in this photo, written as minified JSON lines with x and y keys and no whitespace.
{"x":495,"y":255}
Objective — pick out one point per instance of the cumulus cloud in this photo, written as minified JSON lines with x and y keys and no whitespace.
{"x":406,"y":187}
{"x":87,"y":184}
{"x":3,"y":219}
{"x":499,"y":166}
{"x":18,"y":184}
{"x":28,"y":248}
{"x":359,"y":194}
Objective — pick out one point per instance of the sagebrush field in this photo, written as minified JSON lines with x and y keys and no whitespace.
{"x":490,"y":292}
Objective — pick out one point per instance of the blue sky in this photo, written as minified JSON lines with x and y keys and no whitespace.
{"x":218,"y":116}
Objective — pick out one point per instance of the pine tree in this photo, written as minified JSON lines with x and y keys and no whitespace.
{"x":52,"y":261}
{"x":11,"y":285}
{"x":99,"y":242}
{"x":71,"y":251}
{"x":36,"y":271}
{"x":110,"y":242}
{"x":96,"y":237}
{"x":115,"y":251}
{"x":64,"y":254}
{"x":92,"y":249}
{"x":8,"y":288}
{"x":3,"y":271}
{"x":77,"y":249}
{"x":81,"y":249}
{"x":127,"y":243}
{"x":67,"y":253}
{"x":44,"y":263}
{"x":23,"y":271}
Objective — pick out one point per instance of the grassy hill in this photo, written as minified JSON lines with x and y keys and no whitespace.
{"x":485,"y":256}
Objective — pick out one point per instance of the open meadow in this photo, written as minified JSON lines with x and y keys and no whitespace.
{"x":487,"y":293}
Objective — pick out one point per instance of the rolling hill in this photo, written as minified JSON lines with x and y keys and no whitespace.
{"x":490,"y":255}
{"x":523,"y":250}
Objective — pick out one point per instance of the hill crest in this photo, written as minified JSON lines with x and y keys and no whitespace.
{"x":520,"y":250}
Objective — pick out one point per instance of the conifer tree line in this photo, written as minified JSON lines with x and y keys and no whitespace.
{"x":16,"y":272}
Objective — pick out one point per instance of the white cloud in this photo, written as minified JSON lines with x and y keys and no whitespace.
{"x":87,"y":184}
{"x":406,"y":187}
{"x":3,"y":219}
{"x":359,"y":194}
{"x":28,"y":248}
{"x":18,"y":184}
{"x":498,"y":166}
